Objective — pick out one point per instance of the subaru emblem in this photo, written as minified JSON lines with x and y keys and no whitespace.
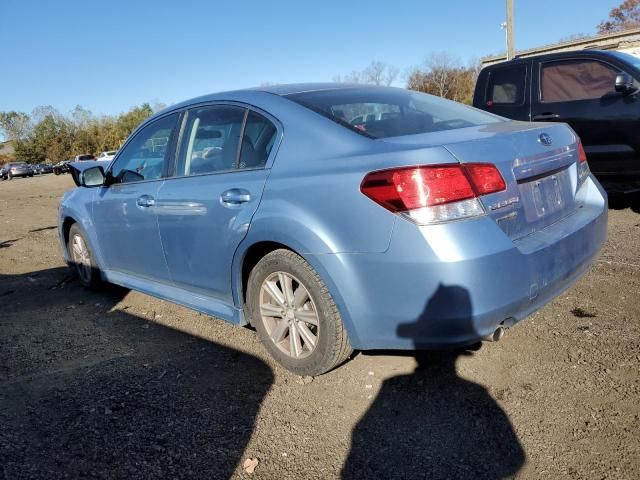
{"x":545,"y":139}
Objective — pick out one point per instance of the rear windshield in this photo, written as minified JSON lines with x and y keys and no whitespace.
{"x":391,"y":112}
{"x":85,"y":157}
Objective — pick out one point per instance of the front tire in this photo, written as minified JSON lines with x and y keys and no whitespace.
{"x":82,"y":257}
{"x":294,"y":315}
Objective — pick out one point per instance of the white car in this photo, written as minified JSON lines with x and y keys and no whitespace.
{"x":107,"y":155}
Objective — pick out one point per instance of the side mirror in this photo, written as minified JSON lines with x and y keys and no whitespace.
{"x":625,"y":84}
{"x":92,"y":177}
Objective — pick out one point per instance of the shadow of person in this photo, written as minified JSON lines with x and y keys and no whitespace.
{"x":88,"y":389}
{"x":432,"y":423}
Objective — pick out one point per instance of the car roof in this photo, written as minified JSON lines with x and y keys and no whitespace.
{"x":570,"y":54}
{"x":278,"y":90}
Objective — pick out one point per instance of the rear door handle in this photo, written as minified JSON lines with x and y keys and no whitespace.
{"x":146,"y":201}
{"x":235,"y":197}
{"x":546,"y":116}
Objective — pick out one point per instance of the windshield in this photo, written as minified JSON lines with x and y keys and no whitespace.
{"x":85,"y":157}
{"x":391,"y":112}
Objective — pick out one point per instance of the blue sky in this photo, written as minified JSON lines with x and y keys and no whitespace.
{"x":109,"y":55}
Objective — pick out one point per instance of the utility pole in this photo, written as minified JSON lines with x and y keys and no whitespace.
{"x":510,"y":47}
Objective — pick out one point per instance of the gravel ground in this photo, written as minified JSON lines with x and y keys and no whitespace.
{"x":116,"y":384}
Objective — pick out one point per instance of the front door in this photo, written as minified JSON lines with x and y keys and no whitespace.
{"x":124,"y":212}
{"x":205,"y":209}
{"x":581,"y":92}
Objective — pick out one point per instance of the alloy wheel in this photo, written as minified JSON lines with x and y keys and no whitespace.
{"x":81,"y":258}
{"x":289,"y":315}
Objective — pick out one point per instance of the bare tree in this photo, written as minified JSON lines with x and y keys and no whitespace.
{"x":376,"y":73}
{"x":624,"y":16}
{"x":391,"y":74}
{"x":444,"y":75}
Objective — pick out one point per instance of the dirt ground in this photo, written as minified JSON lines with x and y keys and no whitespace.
{"x":116,"y":384}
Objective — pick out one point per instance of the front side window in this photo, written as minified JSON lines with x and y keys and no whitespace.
{"x":210,"y":140}
{"x":576,"y":80}
{"x":390,"y":112}
{"x":143,"y":157}
{"x":506,"y":85}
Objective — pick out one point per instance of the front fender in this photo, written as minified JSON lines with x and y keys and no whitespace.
{"x":76,"y":205}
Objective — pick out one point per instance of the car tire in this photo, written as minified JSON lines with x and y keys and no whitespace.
{"x":305,"y":334}
{"x":83,"y":261}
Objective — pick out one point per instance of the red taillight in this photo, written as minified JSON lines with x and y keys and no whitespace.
{"x":582,"y":156}
{"x":409,"y":188}
{"x":485,"y":178}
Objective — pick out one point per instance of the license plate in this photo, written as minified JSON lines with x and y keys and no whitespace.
{"x":549,"y":195}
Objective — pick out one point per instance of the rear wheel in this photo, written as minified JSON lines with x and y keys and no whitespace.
{"x":295,"y":316}
{"x":82,"y":257}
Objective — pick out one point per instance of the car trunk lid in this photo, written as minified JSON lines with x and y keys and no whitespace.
{"x":537,"y":161}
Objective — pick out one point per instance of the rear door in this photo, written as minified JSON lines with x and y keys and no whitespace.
{"x":205,"y":208}
{"x":581,"y":92}
{"x":506,"y":90}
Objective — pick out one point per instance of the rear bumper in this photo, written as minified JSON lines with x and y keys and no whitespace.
{"x":451,"y":285}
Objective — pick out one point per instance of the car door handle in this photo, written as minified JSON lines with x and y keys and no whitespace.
{"x":546,"y":116}
{"x":235,"y":197}
{"x":146,"y":201}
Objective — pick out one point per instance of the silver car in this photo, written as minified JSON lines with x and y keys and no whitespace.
{"x":15,"y":169}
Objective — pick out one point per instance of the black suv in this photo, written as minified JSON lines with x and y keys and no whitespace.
{"x":596,"y":92}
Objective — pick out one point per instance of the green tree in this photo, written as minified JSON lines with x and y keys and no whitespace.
{"x":52,"y":137}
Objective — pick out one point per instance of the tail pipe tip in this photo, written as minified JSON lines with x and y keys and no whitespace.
{"x":495,"y":336}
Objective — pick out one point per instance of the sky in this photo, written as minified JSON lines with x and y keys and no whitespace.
{"x":110,"y":55}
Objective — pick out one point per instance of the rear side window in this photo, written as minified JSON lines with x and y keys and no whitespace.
{"x":390,"y":112}
{"x":257,"y":141}
{"x":506,"y":85}
{"x":576,"y":80}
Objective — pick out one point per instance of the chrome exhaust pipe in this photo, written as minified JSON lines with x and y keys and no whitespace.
{"x":495,"y":336}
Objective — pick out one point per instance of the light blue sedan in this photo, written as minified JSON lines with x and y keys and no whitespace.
{"x":334,"y":217}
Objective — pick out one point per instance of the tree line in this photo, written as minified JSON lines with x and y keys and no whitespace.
{"x":440,"y":74}
{"x":46,"y":135}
